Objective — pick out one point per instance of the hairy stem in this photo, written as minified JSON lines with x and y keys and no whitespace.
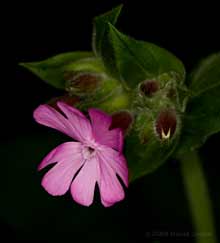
{"x":198,"y":197}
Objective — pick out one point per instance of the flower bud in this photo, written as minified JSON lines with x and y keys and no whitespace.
{"x":149,"y":87}
{"x":166,"y":124}
{"x":172,"y":93}
{"x":81,"y":83}
{"x":123,"y":120}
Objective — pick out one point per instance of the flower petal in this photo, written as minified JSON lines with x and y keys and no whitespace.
{"x":110,"y":188}
{"x":50,"y":117}
{"x":100,"y":125}
{"x":117,"y":161}
{"x":80,"y":124}
{"x":107,"y":204}
{"x":61,"y":153}
{"x":67,"y":109}
{"x":76,"y":126}
{"x":58,"y":179}
{"x":83,"y":186}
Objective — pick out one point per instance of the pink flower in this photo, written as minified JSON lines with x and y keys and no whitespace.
{"x":96,"y":157}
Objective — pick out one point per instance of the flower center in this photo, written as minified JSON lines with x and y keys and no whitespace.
{"x":88,"y":152}
{"x":91,"y":150}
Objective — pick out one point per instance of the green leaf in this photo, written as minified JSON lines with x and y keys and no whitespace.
{"x":146,"y":158}
{"x":99,"y":27}
{"x":134,"y":61}
{"x":206,"y":76}
{"x":52,"y":69}
{"x":202,"y":117}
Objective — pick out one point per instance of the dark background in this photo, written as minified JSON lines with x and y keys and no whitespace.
{"x":153,"y":204}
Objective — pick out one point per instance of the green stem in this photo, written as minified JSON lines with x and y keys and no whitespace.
{"x":198,"y":197}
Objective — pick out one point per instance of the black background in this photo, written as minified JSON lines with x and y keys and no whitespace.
{"x":155,"y":203}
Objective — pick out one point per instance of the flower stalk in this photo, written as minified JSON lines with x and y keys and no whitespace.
{"x":198,"y":197}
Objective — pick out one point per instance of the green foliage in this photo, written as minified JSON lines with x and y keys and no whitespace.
{"x":52,"y":69}
{"x":206,"y":76}
{"x":100,"y":27}
{"x":202,"y":115}
{"x":134,"y":61}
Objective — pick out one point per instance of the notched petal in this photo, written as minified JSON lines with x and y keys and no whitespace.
{"x":69,"y":100}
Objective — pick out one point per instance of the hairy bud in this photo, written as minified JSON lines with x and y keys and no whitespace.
{"x":81,"y":83}
{"x":149,"y":87}
{"x":123,"y":120}
{"x":166,"y":124}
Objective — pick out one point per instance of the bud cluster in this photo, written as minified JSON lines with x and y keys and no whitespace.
{"x":158,"y":99}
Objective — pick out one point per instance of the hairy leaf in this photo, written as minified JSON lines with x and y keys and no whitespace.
{"x":202,"y":117}
{"x":99,"y":27}
{"x":52,"y":69}
{"x":134,"y":61}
